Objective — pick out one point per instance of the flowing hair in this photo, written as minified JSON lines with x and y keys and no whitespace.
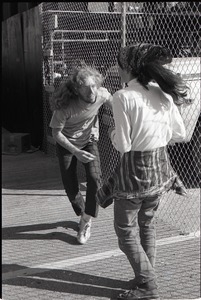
{"x":169,"y":82}
{"x":68,"y":90}
{"x":146,"y":63}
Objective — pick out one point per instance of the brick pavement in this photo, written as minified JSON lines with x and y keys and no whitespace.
{"x":40,"y":256}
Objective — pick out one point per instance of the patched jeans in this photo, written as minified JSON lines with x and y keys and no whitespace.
{"x":68,"y":168}
{"x":134,"y":226}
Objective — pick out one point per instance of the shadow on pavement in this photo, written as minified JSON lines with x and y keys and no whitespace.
{"x":57,"y":231}
{"x":69,"y":282}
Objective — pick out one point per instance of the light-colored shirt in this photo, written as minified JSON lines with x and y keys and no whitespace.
{"x":145,"y":119}
{"x":79,"y":122}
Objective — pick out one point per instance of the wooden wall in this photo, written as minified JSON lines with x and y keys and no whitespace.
{"x":22,"y":101}
{"x":9,"y":9}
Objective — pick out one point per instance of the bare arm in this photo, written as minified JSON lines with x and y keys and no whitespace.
{"x":81,"y":155}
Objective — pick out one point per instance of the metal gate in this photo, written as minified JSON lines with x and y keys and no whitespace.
{"x":93,"y":32}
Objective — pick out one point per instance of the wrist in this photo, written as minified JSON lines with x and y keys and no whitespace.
{"x":75,"y":151}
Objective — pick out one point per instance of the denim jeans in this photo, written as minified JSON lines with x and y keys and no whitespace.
{"x":134,"y":226}
{"x":68,"y":168}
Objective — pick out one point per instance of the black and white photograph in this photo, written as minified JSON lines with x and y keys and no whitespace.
{"x":101,"y":149}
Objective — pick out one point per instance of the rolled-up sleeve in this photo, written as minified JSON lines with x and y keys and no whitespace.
{"x":120,"y":137}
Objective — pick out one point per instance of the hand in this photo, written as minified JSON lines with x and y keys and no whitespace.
{"x":84,"y":156}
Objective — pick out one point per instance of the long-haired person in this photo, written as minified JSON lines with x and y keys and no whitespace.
{"x":75,"y":129}
{"x":146,"y":120}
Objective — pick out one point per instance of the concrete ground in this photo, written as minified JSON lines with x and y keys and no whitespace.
{"x":42,"y":260}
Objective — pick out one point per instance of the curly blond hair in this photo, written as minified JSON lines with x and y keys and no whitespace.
{"x":68,"y":90}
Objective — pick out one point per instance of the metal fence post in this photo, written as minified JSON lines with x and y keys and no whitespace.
{"x":123,"y":28}
{"x":123,"y":24}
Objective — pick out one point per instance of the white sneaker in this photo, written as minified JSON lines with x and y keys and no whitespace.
{"x":84,"y":231}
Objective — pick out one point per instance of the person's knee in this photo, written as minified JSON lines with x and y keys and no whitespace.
{"x":145,"y":223}
{"x":125,"y":232}
{"x":145,"y":218}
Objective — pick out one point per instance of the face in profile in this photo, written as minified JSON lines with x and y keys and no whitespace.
{"x":88,"y":91}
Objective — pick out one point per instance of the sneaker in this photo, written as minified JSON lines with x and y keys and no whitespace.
{"x":81,"y":220}
{"x":138,"y":294}
{"x":141,"y":292}
{"x":84,"y":232}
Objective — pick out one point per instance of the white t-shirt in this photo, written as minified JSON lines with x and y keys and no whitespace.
{"x":145,"y":119}
{"x":79,"y":122}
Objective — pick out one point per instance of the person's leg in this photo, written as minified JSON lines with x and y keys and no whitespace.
{"x":68,"y":169}
{"x":147,"y":226}
{"x":126,"y":228}
{"x":93,"y":176}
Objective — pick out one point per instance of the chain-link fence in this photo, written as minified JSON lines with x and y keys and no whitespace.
{"x":93,"y":32}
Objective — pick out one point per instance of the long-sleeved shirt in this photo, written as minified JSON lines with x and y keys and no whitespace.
{"x":145,"y":119}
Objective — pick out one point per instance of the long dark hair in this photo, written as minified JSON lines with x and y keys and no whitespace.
{"x":146,"y":63}
{"x":168,"y":81}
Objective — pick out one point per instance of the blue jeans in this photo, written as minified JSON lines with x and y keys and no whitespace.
{"x":68,"y":168}
{"x":133,"y":216}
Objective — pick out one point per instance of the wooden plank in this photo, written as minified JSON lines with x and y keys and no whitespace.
{"x":17,"y":114}
{"x":32,"y":47}
{"x":32,"y":30}
{"x":5,"y":77}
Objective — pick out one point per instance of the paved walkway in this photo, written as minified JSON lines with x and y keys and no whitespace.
{"x":42,"y":260}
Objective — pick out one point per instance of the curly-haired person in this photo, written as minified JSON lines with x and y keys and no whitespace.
{"x":146,"y":120}
{"x":75,"y":128}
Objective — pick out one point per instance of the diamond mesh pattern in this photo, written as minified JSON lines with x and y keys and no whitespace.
{"x":93,"y":32}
